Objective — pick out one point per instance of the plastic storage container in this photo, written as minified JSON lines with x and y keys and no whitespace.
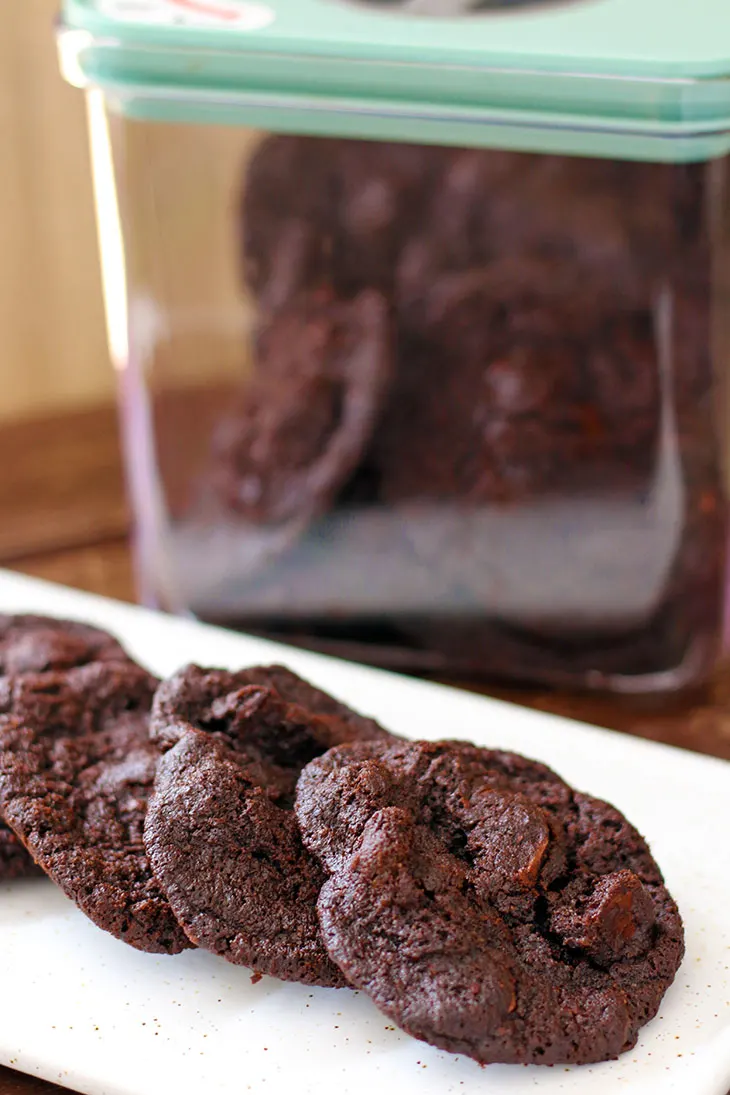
{"x":419,"y":311}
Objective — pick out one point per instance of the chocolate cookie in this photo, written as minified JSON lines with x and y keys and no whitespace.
{"x":484,"y":905}
{"x":330,"y":212}
{"x":195,"y":695}
{"x":613,"y":226}
{"x":381,"y":195}
{"x":220,"y":830}
{"x":322,"y":373}
{"x":286,"y":217}
{"x":76,"y":769}
{"x":675,"y":549}
{"x":34,"y":644}
{"x":508,"y":367}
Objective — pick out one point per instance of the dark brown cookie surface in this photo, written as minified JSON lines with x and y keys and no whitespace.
{"x":527,"y":389}
{"x":612,"y":227}
{"x":36,"y":644}
{"x":76,"y":769}
{"x":485,"y":906}
{"x":287,"y":223}
{"x":323,"y":370}
{"x":220,"y":830}
{"x":381,"y":192}
{"x":207,"y":699}
{"x":330,"y":212}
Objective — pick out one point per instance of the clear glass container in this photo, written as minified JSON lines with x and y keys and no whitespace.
{"x":455,"y":407}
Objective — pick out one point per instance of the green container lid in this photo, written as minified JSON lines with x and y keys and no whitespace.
{"x":640,"y":79}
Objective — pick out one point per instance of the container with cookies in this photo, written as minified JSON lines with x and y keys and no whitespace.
{"x":419,"y":313}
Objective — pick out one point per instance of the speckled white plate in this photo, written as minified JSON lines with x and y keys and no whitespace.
{"x":80,"y":1008}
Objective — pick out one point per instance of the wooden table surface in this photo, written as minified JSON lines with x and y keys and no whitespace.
{"x":63,"y":517}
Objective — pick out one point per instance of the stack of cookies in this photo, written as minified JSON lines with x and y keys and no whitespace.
{"x":459,"y":353}
{"x":482,"y":903}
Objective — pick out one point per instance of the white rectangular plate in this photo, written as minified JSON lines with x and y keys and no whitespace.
{"x":83,"y":1009}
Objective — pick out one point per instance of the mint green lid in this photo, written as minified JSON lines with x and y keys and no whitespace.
{"x":647,"y":79}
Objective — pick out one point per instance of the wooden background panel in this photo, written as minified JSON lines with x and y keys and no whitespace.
{"x":52,"y":337}
{"x":181,"y":186}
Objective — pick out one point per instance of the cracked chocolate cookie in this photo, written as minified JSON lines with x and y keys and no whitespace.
{"x":484,"y":905}
{"x":76,"y":770}
{"x":220,"y":831}
{"x":36,"y":644}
